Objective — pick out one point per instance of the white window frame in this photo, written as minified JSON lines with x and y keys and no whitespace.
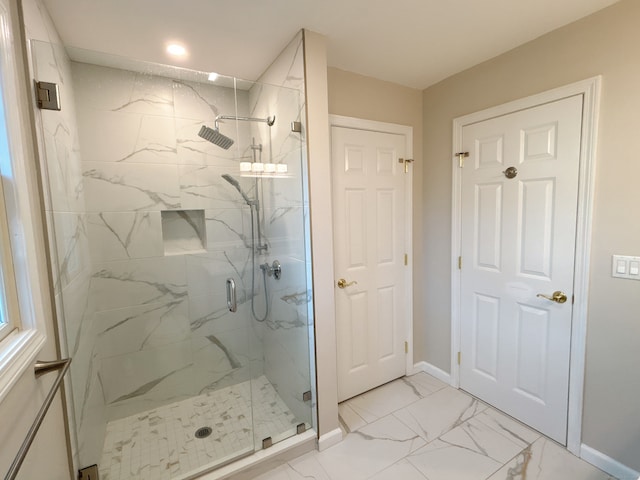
{"x":9,"y":305}
{"x":19,"y":206}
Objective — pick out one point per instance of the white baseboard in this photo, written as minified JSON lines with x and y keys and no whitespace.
{"x":329,"y":439}
{"x":607,"y":464}
{"x":433,"y":371}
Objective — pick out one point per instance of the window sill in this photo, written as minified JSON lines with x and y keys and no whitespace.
{"x":18,"y":351}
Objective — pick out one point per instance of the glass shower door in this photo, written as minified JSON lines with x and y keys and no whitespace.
{"x":145,"y":230}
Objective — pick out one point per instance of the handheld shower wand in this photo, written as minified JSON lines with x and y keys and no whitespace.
{"x":255,"y":249}
{"x":236,"y":184}
{"x":252,"y":203}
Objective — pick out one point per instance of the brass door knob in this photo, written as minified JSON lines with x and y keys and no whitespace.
{"x":342,"y":283}
{"x":558,"y":296}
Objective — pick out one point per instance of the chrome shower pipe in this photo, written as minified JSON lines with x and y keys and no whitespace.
{"x":269,"y":120}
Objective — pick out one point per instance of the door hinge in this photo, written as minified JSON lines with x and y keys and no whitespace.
{"x":459,"y":263}
{"x":406,"y":347}
{"x":459,"y":357}
{"x":573,"y":299}
{"x":406,"y":162}
{"x":47,"y":96}
{"x":88,"y":473}
{"x":461,"y":156}
{"x":406,"y":259}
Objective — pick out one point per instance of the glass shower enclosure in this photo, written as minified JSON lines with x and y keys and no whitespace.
{"x":180,"y":267}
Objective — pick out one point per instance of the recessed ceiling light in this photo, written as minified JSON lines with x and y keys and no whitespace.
{"x":213,"y":76}
{"x":176,"y":50}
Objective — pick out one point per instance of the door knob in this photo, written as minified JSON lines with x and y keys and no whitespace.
{"x":558,"y":296}
{"x":342,"y":283}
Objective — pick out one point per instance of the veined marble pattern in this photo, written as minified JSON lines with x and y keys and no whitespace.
{"x":161,"y":443}
{"x":456,"y":438}
{"x":147,"y":329}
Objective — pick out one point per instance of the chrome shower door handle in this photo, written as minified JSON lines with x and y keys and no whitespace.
{"x":231,"y":295}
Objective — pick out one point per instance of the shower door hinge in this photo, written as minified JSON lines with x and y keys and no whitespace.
{"x":459,"y":263}
{"x":406,"y":162}
{"x":406,"y":259}
{"x":459,"y":357}
{"x":88,"y":473}
{"x":461,"y":156}
{"x":47,"y":96}
{"x":406,"y":347}
{"x":306,"y":396}
{"x":267,"y":442}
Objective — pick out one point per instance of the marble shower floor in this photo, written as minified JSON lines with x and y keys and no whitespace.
{"x":418,"y":428}
{"x":161,"y":444}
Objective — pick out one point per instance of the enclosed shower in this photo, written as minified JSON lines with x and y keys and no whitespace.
{"x":178,"y":233}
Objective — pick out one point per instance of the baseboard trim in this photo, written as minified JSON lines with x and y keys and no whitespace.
{"x":329,"y":439}
{"x":607,"y":464}
{"x":433,"y":371}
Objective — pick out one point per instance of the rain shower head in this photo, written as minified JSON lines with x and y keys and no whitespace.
{"x":215,"y":137}
{"x":236,"y":184}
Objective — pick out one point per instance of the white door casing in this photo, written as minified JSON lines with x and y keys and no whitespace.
{"x":528,"y":263}
{"x":370,"y":243}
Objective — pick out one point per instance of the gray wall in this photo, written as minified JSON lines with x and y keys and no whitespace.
{"x":604,"y":43}
{"x":354,"y":95}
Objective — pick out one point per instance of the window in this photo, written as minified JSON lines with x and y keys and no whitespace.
{"x":22,"y":330}
{"x":8,"y":295}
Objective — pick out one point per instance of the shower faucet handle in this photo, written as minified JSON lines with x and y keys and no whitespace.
{"x":274,"y":269}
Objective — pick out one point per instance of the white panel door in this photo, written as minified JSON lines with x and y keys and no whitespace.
{"x":518,"y":241}
{"x":369,"y":243}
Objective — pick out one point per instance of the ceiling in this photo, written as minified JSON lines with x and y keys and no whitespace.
{"x":410,"y":42}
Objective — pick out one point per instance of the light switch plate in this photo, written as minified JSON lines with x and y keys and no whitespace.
{"x":624,"y":266}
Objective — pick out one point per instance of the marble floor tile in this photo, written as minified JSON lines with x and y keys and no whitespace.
{"x":402,"y":470}
{"x":477,"y":437}
{"x":370,"y":450}
{"x":441,"y":460}
{"x":439,"y":412}
{"x":308,"y":467}
{"x":424,"y":384}
{"x":382,"y":401}
{"x":349,"y":418}
{"x":508,"y":427}
{"x":290,"y":472}
{"x":444,"y":435}
{"x":546,"y":460}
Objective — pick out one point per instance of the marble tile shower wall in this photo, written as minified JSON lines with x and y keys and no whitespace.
{"x":287,"y":332}
{"x":162,"y":329}
{"x":65,"y":209}
{"x":146,"y":328}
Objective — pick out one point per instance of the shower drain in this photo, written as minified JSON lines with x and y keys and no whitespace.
{"x":203,"y":432}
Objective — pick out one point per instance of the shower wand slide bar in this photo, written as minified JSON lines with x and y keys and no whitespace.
{"x":40,"y":369}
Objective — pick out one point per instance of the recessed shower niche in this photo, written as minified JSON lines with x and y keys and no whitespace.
{"x":183,"y":231}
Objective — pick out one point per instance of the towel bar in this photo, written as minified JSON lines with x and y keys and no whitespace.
{"x":40,"y":369}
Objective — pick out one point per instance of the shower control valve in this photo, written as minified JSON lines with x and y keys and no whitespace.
{"x":274,"y":269}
